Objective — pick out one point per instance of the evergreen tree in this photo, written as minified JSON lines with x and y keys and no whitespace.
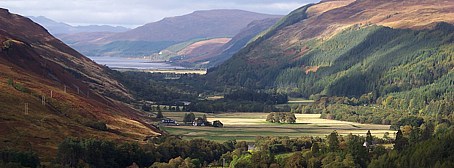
{"x":357,"y":150}
{"x":415,"y":136}
{"x":315,"y":148}
{"x":333,"y":142}
{"x":427,"y":130}
{"x":70,"y":152}
{"x":159,"y":115}
{"x":262,"y":159}
{"x":204,"y":118}
{"x":369,"y":138}
{"x":185,"y":118}
{"x":400,"y":142}
{"x":295,"y":160}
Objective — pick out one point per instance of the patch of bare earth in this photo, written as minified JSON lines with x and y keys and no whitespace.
{"x":309,"y":69}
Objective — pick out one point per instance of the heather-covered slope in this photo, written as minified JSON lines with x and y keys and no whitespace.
{"x":80,"y":95}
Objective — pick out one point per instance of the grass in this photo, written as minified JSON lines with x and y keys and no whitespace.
{"x":300,"y":101}
{"x":247,"y":126}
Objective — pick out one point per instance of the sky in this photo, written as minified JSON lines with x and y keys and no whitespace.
{"x":133,"y":13}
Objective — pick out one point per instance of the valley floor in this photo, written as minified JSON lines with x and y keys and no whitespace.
{"x":247,"y":126}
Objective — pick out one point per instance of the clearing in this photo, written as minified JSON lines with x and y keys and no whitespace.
{"x":247,"y":126}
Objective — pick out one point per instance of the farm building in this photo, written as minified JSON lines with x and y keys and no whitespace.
{"x":169,"y":121}
{"x":198,"y":122}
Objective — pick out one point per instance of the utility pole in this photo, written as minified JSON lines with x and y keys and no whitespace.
{"x":51,"y":94}
{"x":43,"y":100}
{"x":65,"y":88}
{"x":26,"y":109}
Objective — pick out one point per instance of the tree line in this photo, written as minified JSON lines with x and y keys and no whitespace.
{"x":412,"y":148}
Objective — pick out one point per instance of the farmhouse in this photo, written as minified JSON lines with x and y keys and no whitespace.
{"x":198,"y":122}
{"x":185,"y":103}
{"x":169,"y":121}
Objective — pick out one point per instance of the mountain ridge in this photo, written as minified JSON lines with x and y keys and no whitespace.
{"x":153,"y":37}
{"x":59,"y":28}
{"x":197,"y":22}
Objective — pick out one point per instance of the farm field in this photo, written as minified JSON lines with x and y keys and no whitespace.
{"x":300,"y":101}
{"x":247,"y":126}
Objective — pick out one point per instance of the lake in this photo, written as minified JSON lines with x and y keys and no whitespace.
{"x":116,"y":62}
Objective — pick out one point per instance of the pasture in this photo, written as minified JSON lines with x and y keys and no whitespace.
{"x":247,"y":126}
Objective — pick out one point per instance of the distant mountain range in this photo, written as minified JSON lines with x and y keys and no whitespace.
{"x":152,"y":38}
{"x":199,"y":24}
{"x":59,"y":28}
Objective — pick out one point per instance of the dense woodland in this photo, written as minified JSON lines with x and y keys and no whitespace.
{"x":360,"y":60}
{"x":154,"y":87}
{"x":242,"y":100}
{"x":416,"y":148}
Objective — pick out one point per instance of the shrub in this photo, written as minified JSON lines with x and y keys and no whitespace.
{"x":15,"y":158}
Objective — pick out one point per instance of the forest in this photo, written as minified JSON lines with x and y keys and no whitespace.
{"x":416,"y":148}
{"x":358,"y":61}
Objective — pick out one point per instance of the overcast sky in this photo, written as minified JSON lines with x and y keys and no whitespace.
{"x":132,"y":13}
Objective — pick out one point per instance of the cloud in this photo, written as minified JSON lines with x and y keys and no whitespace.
{"x":132,"y":13}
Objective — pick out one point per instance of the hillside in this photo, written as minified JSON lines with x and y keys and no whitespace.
{"x":238,"y":42}
{"x":388,"y":49}
{"x":212,"y":52}
{"x":153,"y":37}
{"x":66,"y":94}
{"x":202,"y":49}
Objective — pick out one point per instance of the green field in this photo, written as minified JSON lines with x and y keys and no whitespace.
{"x":300,"y":101}
{"x":247,"y":126}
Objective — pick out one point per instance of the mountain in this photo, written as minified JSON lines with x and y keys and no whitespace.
{"x":200,"y":50}
{"x":199,"y":24}
{"x":50,"y":92}
{"x":237,"y":42}
{"x":154,"y":37}
{"x":207,"y":53}
{"x":59,"y":28}
{"x":394,"y":51}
